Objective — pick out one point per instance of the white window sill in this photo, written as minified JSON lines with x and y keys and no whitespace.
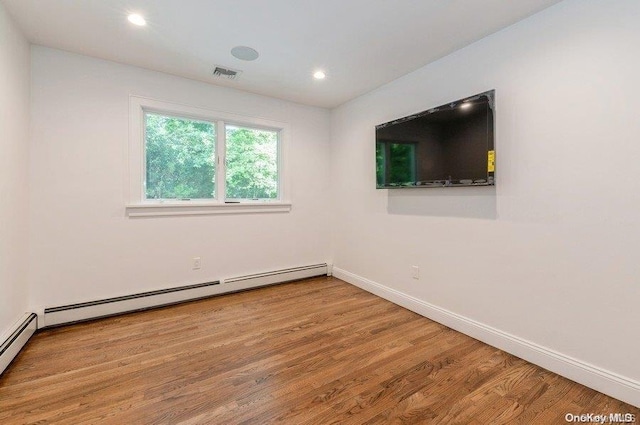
{"x":157,"y":209}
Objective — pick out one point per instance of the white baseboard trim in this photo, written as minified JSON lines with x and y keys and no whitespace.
{"x":16,"y":338}
{"x":72,"y":313}
{"x":612,"y":384}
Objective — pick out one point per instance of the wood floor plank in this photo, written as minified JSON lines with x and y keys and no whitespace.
{"x":318,"y":351}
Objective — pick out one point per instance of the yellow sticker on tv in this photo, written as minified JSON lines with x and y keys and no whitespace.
{"x":491,"y":161}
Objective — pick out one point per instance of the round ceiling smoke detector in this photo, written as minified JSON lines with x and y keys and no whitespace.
{"x":245,"y":53}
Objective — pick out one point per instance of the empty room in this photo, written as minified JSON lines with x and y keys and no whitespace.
{"x":319,"y":212}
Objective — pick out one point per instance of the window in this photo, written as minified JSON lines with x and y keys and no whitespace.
{"x":187,"y":160}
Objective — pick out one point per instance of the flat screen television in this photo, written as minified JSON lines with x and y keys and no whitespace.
{"x":450,"y":145}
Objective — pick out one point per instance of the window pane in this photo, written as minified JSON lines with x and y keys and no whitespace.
{"x":252,"y":163}
{"x":179,"y":158}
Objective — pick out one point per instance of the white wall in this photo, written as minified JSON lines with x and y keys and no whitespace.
{"x":551,"y":254}
{"x":83,"y":245}
{"x":14,"y":157}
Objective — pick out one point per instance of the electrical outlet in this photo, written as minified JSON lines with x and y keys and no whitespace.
{"x":197,"y":263}
{"x":415,"y":272}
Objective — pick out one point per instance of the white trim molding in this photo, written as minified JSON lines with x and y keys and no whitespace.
{"x":612,"y":384}
{"x":176,"y":209}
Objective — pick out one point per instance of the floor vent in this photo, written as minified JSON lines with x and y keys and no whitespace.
{"x":11,"y":346}
{"x":54,"y":316}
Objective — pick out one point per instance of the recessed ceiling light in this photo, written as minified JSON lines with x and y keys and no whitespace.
{"x":465,"y":105}
{"x":319,"y":75}
{"x":136,"y":19}
{"x":245,"y":53}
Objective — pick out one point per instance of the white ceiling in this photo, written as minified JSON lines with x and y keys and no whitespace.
{"x":361,"y":44}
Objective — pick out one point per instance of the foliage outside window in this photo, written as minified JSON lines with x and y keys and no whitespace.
{"x":252,"y":163}
{"x":181,"y":160}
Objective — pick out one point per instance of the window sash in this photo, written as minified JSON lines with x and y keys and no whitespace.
{"x":227,"y":167}
{"x":136,"y":194}
{"x":146,"y":113}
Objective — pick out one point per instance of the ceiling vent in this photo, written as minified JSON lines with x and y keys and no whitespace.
{"x":227,"y":73}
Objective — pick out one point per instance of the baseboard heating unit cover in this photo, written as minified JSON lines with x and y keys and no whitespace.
{"x":11,"y":346}
{"x":54,"y":316}
{"x":71,"y":313}
{"x":277,"y":276}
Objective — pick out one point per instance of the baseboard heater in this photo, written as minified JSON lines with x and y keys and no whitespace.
{"x":12,"y":345}
{"x":278,"y":276}
{"x":67,"y":314}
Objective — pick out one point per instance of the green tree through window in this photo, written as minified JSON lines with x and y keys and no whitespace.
{"x":180,"y":161}
{"x":252,"y":163}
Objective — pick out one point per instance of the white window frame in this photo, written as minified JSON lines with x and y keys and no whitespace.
{"x":138,"y":205}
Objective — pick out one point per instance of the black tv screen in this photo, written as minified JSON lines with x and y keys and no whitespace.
{"x":450,"y":145}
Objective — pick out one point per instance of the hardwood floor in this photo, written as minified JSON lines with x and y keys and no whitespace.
{"x":314,"y":352}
